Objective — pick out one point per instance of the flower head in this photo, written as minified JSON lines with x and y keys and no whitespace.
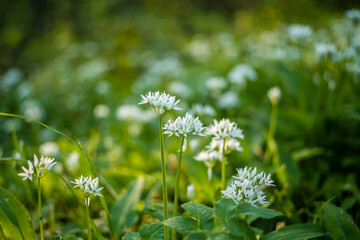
{"x":38,"y":168}
{"x":224,"y":129}
{"x":247,"y":187}
{"x":160,"y":101}
{"x":88,"y":186}
{"x":353,"y":14}
{"x":274,"y":95}
{"x":298,"y":31}
{"x":184,"y":126}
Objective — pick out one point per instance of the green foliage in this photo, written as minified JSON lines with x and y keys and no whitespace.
{"x":122,"y":213}
{"x":14,"y":218}
{"x":296,"y":232}
{"x":182,"y":224}
{"x":245,"y":208}
{"x":339,"y":224}
{"x":152,"y":232}
{"x":203,"y":214}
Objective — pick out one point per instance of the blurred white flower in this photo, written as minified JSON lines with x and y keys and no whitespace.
{"x":134,"y":113}
{"x":240,"y":73}
{"x":247,"y":187}
{"x":353,"y":14}
{"x":33,"y":109}
{"x":298,"y":31}
{"x":160,"y":101}
{"x":38,"y":168}
{"x":184,"y":126}
{"x":200,"y":48}
{"x":228,"y":100}
{"x":101,"y":111}
{"x":10,"y":78}
{"x":180,"y":89}
{"x":72,"y":161}
{"x":230,"y":145}
{"x":209,"y":158}
{"x":215,"y":84}
{"x":274,"y":95}
{"x":325,"y":49}
{"x":190,"y":190}
{"x":88,"y":186}
{"x":200,"y":109}
{"x":49,"y":148}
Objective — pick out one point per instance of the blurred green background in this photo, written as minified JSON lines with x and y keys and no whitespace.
{"x":81,"y":66}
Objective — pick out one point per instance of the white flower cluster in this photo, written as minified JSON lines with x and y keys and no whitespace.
{"x":247,"y":187}
{"x":183,"y":126}
{"x":88,"y":186}
{"x":325,"y":49}
{"x":298,"y":31}
{"x":224,"y":129}
{"x":160,"y":101}
{"x":39,"y":168}
{"x":274,"y":95}
{"x":353,"y":14}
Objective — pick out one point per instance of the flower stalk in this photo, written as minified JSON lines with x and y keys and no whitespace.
{"x":88,"y":219}
{"x":223,"y":172}
{"x":40,"y":210}
{"x":164,"y":185}
{"x":176,"y":197}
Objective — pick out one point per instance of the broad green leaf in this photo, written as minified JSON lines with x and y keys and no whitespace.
{"x":203,"y":214}
{"x":152,"y":232}
{"x":240,"y":228}
{"x":124,"y":206}
{"x":296,"y":232}
{"x":132,"y":236}
{"x":245,"y":208}
{"x":221,"y":236}
{"x":225,"y":209}
{"x":14,"y":218}
{"x":182,"y":224}
{"x":196,"y":236}
{"x":71,"y":238}
{"x":339,"y":224}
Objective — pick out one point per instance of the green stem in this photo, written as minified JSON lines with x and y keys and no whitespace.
{"x":223,"y":173}
{"x":176,"y":197}
{"x":163,"y":171}
{"x":40,"y":211}
{"x":88,"y":218}
{"x":271,"y":133}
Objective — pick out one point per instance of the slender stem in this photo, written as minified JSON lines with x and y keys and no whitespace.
{"x":176,"y":197}
{"x":40,"y":211}
{"x":223,"y":173}
{"x":88,"y":218}
{"x":271,"y":133}
{"x":164,"y":186}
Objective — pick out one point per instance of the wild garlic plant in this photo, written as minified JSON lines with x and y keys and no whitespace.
{"x":89,"y":187}
{"x":247,"y":187}
{"x":38,"y":169}
{"x":274,"y":95}
{"x":162,"y":102}
{"x":226,"y":136}
{"x":182,"y":127}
